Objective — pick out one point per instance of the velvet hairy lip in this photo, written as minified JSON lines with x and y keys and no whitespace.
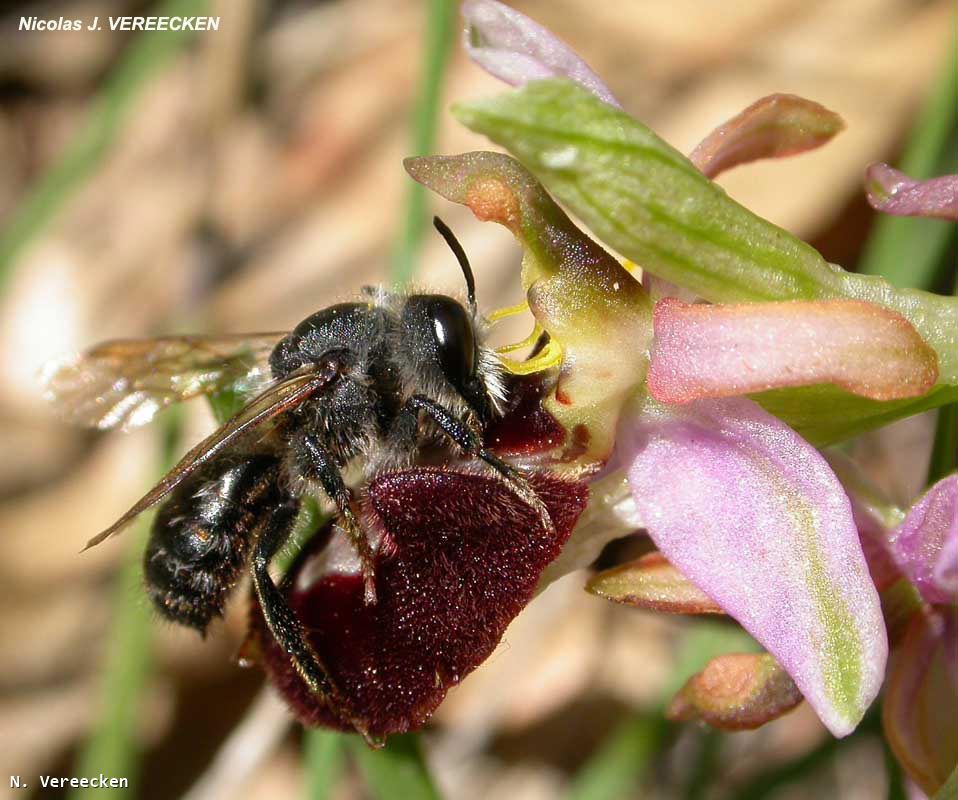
{"x":459,"y":556}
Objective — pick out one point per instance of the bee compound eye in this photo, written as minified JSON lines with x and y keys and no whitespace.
{"x":455,"y":340}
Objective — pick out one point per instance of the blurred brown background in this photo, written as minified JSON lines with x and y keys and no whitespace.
{"x":256,"y":179}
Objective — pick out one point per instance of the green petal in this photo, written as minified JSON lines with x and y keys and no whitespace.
{"x":646,"y":200}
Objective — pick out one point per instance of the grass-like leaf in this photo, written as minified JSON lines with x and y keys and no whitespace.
{"x":396,"y":771}
{"x":771,"y":782}
{"x":905,"y":250}
{"x":112,"y":746}
{"x":625,"y":758}
{"x":325,"y":759}
{"x":622,"y":761}
{"x":440,"y":26}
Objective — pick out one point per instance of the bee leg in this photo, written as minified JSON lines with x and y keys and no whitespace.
{"x":280,"y":619}
{"x":318,"y":463}
{"x":471,"y":444}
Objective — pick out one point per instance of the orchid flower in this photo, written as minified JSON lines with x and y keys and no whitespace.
{"x":739,"y":502}
{"x":913,"y":556}
{"x":693,"y":411}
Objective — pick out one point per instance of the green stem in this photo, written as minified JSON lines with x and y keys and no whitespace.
{"x":439,"y":29}
{"x":706,"y":764}
{"x":398,"y":770}
{"x":110,"y":109}
{"x":323,"y":751}
{"x":111,"y":748}
{"x":944,"y":454}
{"x":950,"y":790}
{"x":325,"y":760}
{"x":622,"y":761}
{"x":896,"y":780}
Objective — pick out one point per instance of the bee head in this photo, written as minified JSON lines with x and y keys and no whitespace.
{"x":441,"y":334}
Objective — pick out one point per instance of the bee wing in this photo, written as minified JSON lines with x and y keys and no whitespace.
{"x":123,"y":383}
{"x":276,"y":400}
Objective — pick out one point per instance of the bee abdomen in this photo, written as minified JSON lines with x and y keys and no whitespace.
{"x":201,"y":538}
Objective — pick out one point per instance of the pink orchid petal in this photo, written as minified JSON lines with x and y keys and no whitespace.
{"x":706,"y":350}
{"x":893,"y":192}
{"x":925,"y":545}
{"x":517,"y":50}
{"x":874,"y":514}
{"x":946,"y":570}
{"x":753,"y":515}
{"x":775,"y":126}
{"x":912,"y":792}
{"x":921,"y":696}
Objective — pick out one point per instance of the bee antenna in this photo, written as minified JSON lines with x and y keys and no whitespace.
{"x":461,"y":257}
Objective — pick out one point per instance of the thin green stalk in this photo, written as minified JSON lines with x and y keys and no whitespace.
{"x":111,"y":748}
{"x":324,"y":754}
{"x":912,"y":252}
{"x":908,"y":250}
{"x":440,"y":25}
{"x":622,"y":761}
{"x":708,"y":759}
{"x":944,"y":454}
{"x":396,"y":772}
{"x":145,"y":56}
{"x":325,"y":760}
{"x":625,"y":757}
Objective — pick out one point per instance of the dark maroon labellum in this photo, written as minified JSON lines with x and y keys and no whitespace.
{"x":461,"y":556}
{"x":527,"y":428}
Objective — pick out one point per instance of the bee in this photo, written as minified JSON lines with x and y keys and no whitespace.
{"x":369,"y":383}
